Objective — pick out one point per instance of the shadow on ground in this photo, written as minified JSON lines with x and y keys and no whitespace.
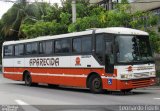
{"x":82,"y":90}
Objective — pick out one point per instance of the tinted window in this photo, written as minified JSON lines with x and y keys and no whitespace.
{"x":82,"y":45}
{"x":58,"y":46}
{"x":42,"y":47}
{"x":76,"y":45}
{"x":86,"y":44}
{"x":46,"y":47}
{"x":62,"y":46}
{"x":28,"y":49}
{"x":65,"y":45}
{"x":19,"y":50}
{"x":8,"y":50}
{"x":32,"y":48}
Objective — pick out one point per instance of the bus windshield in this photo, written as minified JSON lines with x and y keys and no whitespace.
{"x":133,"y":49}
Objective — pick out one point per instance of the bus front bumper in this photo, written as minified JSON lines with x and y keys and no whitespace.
{"x":128,"y":84}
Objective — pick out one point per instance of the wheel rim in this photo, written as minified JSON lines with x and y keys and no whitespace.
{"x":96,"y":83}
{"x":28,"y":80}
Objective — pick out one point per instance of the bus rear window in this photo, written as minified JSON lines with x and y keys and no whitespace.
{"x":8,"y":50}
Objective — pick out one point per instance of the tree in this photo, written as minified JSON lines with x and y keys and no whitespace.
{"x":20,"y":12}
{"x":42,"y":28}
{"x":39,"y":19}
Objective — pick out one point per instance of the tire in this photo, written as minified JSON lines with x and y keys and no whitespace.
{"x":28,"y":80}
{"x":95,"y":84}
{"x":126,"y":90}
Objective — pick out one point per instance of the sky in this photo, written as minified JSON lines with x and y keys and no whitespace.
{"x":4,"y":6}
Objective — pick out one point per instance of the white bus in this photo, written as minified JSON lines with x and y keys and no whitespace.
{"x":113,"y":58}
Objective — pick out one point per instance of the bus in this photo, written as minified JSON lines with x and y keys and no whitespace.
{"x":115,"y":58}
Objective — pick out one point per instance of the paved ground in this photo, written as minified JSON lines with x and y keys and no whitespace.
{"x":15,"y":93}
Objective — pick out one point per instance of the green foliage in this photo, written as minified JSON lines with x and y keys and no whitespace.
{"x":102,"y":18}
{"x":65,"y":18}
{"x":155,"y":40}
{"x":159,"y":29}
{"x":52,"y":13}
{"x":40,"y":19}
{"x":84,"y":23}
{"x":42,"y":28}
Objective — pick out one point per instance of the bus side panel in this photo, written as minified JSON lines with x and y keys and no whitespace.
{"x":62,"y":76}
{"x":109,"y":81}
{"x":8,"y":69}
{"x":19,"y":67}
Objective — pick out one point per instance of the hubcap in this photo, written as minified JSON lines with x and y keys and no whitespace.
{"x":28,"y":79}
{"x":97,"y":83}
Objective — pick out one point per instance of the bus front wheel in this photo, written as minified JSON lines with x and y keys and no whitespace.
{"x":95,"y":84}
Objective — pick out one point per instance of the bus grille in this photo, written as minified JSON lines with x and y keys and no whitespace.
{"x":141,"y":83}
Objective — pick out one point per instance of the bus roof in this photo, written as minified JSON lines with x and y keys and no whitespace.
{"x":111,"y":30}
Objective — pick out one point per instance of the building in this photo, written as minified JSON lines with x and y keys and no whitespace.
{"x":107,"y":4}
{"x":147,"y":6}
{"x":136,"y":5}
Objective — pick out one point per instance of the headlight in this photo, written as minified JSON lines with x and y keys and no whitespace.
{"x":152,"y":73}
{"x":126,"y":76}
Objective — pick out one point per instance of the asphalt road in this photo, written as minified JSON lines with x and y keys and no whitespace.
{"x":43,"y":98}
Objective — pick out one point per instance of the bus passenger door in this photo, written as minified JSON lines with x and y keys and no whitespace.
{"x":109,"y":56}
{"x":109,"y":64}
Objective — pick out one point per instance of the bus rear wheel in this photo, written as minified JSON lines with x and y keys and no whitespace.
{"x":95,"y":84}
{"x":28,"y":80}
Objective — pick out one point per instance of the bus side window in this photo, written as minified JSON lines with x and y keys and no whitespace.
{"x":86,"y":44}
{"x":65,"y":45}
{"x":62,"y":46}
{"x":42,"y":47}
{"x":82,"y":45}
{"x":76,"y":48}
{"x":19,"y":50}
{"x":45,"y":47}
{"x":58,"y":46}
{"x":8,"y":50}
{"x":48,"y":48}
{"x":28,"y":48}
{"x":32,"y":48}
